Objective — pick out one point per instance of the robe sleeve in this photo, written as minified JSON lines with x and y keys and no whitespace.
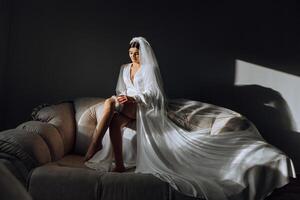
{"x":150,"y":96}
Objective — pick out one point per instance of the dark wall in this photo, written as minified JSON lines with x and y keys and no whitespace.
{"x":63,"y":50}
{"x":270,"y":35}
{"x":5,"y":12}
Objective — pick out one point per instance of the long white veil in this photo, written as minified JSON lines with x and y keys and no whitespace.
{"x":151,"y":91}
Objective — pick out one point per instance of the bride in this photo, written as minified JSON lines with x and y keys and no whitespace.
{"x":200,"y":149}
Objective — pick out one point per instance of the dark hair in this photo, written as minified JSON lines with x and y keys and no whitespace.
{"x":134,"y":45}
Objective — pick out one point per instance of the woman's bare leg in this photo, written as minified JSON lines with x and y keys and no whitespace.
{"x":100,"y":130}
{"x":117,"y":123}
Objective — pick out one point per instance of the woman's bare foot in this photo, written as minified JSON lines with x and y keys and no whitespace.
{"x":93,"y":148}
{"x":119,"y":169}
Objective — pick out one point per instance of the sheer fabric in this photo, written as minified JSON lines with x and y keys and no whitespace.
{"x":201,"y":150}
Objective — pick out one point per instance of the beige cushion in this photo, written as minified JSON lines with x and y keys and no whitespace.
{"x":61,"y":116}
{"x":88,"y":114}
{"x":49,"y":133}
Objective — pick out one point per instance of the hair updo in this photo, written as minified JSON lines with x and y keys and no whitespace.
{"x":134,"y":45}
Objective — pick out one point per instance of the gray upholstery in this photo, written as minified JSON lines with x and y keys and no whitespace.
{"x":15,"y":166}
{"x":65,"y":183}
{"x":133,"y":186}
{"x":10,"y":187}
{"x":75,"y":183}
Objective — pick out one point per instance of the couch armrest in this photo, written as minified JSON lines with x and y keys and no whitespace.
{"x":50,"y":135}
{"x":28,"y":147}
{"x":15,"y":166}
{"x":62,"y":117}
{"x":11,"y":188}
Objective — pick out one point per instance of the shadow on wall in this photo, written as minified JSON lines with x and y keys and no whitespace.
{"x":267,"y":97}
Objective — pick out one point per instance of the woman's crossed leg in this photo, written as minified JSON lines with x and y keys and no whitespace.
{"x":115,"y":121}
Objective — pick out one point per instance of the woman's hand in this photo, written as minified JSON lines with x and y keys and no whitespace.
{"x":123,"y":99}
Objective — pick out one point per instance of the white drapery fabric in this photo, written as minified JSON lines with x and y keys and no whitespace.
{"x":200,"y":149}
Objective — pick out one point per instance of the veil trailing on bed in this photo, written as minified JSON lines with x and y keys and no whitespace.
{"x":200,"y":149}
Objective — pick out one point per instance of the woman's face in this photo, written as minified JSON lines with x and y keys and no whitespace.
{"x":134,"y":55}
